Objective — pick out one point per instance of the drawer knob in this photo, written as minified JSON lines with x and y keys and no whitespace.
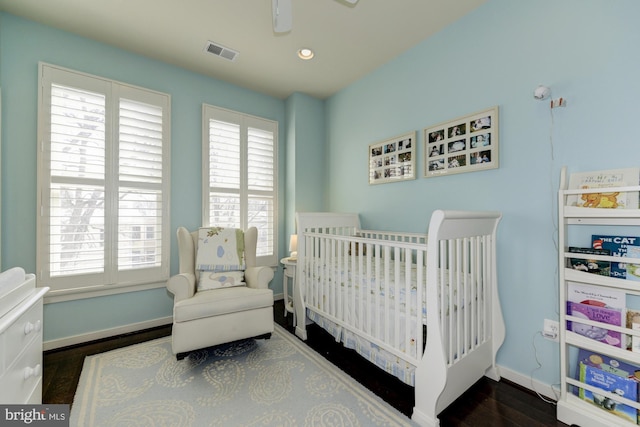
{"x":32,"y":372}
{"x":30,"y":327}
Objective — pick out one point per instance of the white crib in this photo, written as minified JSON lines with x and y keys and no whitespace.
{"x":379,"y":293}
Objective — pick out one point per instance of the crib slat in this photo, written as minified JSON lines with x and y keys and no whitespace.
{"x":467,"y":300}
{"x":361,"y":286}
{"x":473,"y":284}
{"x":320,"y":274}
{"x":446,"y":295}
{"x":481,"y":289}
{"x":387,"y":300}
{"x":378,"y":333}
{"x":340,"y":312}
{"x":488,"y":261}
{"x":459,"y":296}
{"x":324,"y":277}
{"x":421,"y":289}
{"x":408,"y":300}
{"x":330,"y":285}
{"x":370,"y":297}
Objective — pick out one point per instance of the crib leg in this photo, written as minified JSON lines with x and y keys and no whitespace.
{"x":430,"y":383}
{"x":493,"y":373}
{"x":301,"y":332}
{"x":423,"y":420}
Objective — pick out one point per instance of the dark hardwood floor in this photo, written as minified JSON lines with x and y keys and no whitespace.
{"x":487,"y":403}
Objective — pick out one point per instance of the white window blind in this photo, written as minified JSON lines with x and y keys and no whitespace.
{"x":103,"y":182}
{"x":240,"y":175}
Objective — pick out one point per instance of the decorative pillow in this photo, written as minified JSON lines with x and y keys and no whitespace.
{"x":220,"y":249}
{"x":212,"y":280}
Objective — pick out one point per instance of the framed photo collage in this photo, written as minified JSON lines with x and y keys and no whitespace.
{"x":466,"y":144}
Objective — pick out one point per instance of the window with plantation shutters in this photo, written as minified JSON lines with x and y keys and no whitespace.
{"x":103,"y":183}
{"x":240,"y":175}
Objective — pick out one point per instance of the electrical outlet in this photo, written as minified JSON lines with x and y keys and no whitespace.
{"x":551,"y":330}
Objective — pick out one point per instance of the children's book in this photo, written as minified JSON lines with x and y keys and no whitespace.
{"x":609,"y":364}
{"x":602,"y":268}
{"x":618,"y":246}
{"x":610,"y":375}
{"x":597,"y":314}
{"x":633,"y":322}
{"x":624,"y":387}
{"x":633,"y":270}
{"x":597,"y":295}
{"x":605,"y":179}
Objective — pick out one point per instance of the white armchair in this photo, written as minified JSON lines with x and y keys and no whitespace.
{"x":210,"y":317}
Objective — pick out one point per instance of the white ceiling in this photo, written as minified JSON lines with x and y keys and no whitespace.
{"x":349,"y":41}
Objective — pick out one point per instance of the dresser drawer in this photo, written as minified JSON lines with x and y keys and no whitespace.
{"x":24,"y":376}
{"x":19,"y":334}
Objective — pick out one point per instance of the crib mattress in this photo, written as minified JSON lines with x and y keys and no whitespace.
{"x":370,"y":284}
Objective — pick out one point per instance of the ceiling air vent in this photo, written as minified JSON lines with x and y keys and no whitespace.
{"x":221,"y":51}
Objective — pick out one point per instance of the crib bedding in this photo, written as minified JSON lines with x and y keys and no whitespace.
{"x":391,"y":363}
{"x":388,"y":362}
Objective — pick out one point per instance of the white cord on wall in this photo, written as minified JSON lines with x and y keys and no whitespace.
{"x":539,"y":365}
{"x":541,"y":93}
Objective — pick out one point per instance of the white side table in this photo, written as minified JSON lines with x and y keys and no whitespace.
{"x":289,"y":265}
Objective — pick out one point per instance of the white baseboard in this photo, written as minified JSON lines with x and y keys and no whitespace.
{"x":105,"y":333}
{"x":536,"y":386}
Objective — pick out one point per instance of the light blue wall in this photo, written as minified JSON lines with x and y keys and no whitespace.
{"x":22,"y":45}
{"x":586,"y":51}
{"x":306,"y":166}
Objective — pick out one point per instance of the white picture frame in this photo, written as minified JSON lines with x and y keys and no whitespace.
{"x":466,"y":144}
{"x":393,"y":160}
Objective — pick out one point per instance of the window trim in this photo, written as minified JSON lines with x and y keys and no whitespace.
{"x":89,"y":285}
{"x":244,"y":120}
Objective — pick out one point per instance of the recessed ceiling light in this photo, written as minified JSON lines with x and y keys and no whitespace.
{"x":305,"y":53}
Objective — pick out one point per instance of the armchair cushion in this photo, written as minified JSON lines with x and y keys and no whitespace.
{"x":221,"y":302}
{"x":220,"y":249}
{"x":216,"y":280}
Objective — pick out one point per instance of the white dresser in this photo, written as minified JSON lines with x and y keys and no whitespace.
{"x":21,"y":342}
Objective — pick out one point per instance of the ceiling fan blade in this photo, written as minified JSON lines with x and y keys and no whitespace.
{"x":282,"y":15}
{"x":351,"y":1}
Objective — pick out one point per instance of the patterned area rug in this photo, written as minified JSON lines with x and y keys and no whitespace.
{"x":275,"y":382}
